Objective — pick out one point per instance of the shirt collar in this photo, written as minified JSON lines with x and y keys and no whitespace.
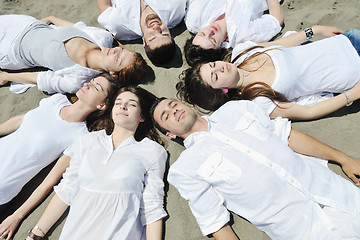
{"x":196,"y":136}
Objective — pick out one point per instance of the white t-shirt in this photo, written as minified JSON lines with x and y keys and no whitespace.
{"x":244,"y":19}
{"x":330,"y":65}
{"x":243,"y":164}
{"x":122,"y":19}
{"x":41,"y":138}
{"x":112,"y":194}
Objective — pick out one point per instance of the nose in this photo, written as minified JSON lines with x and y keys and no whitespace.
{"x":157,"y":27}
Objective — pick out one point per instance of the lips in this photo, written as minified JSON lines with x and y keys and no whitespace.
{"x":215,"y":28}
{"x":153,"y":22}
{"x":228,"y":67}
{"x":181,"y":114}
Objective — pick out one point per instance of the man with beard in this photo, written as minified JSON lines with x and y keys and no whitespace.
{"x":238,"y":159}
{"x":150,"y":19}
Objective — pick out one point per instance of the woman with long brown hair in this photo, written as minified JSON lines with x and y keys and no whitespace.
{"x":274,"y":76}
{"x":114,"y":183}
{"x":73,"y":53}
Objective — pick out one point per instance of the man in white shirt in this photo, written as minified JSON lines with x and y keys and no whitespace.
{"x":238,"y":159}
{"x":150,"y":19}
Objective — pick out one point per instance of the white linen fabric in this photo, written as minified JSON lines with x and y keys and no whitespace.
{"x":328,"y":65}
{"x":41,"y":138}
{"x":122,"y":19}
{"x":243,"y":164}
{"x":112,"y":194}
{"x":67,"y":80}
{"x":244,"y":19}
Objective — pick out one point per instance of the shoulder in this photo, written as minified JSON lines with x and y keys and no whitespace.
{"x":151,"y":146}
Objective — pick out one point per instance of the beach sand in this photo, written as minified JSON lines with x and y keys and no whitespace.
{"x":340,"y":129}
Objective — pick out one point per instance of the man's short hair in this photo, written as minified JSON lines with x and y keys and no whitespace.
{"x":162,"y":54}
{"x":152,"y":110}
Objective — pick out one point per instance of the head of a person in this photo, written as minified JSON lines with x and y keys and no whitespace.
{"x":98,"y":94}
{"x":128,"y":66}
{"x":158,"y":43}
{"x":210,"y":37}
{"x":203,"y":84}
{"x":173,"y":118}
{"x":131,"y":110}
{"x":196,"y":54}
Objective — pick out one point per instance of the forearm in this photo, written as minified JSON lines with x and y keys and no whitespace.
{"x":24,"y":77}
{"x":225,"y":233}
{"x":300,"y":37}
{"x":103,"y":5}
{"x":154,"y":230}
{"x":11,"y":125}
{"x":44,"y":188}
{"x":52,"y":213}
{"x":276,"y":11}
{"x":299,"y":112}
{"x":56,"y":21}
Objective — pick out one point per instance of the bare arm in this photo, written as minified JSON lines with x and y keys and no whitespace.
{"x":300,"y":37}
{"x":56,"y":21}
{"x":11,"y":222}
{"x":24,"y":77}
{"x":307,"y":145}
{"x":299,"y":112}
{"x":154,"y":230}
{"x":103,"y":5}
{"x":52,"y":213}
{"x":225,"y":233}
{"x":11,"y":125}
{"x":276,"y":11}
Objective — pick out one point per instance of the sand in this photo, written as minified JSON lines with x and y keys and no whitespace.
{"x":340,"y":129}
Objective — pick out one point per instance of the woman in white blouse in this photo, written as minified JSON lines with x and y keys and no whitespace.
{"x":32,"y":141}
{"x":114,"y":182}
{"x":284,"y":77}
{"x":73,"y":53}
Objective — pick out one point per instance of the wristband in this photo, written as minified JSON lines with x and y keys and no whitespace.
{"x":348,"y":101}
{"x":309,"y":33}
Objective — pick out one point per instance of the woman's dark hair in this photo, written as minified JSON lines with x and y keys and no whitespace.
{"x":195,"y":54}
{"x":145,"y":128}
{"x":97,"y":120}
{"x":193,"y":89}
{"x":131,"y":75}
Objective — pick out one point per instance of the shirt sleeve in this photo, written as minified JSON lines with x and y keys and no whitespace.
{"x":266,"y":104}
{"x":65,"y":188}
{"x":100,"y":36}
{"x":152,"y":205}
{"x":206,"y":205}
{"x":263,"y":29}
{"x":61,"y":82}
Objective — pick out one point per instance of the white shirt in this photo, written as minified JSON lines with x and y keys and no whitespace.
{"x":330,"y":65}
{"x":243,"y":164}
{"x":41,"y":138}
{"x":244,"y":19}
{"x":122,"y":19}
{"x":112,"y":193}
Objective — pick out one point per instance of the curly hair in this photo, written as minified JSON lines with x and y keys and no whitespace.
{"x":195,"y":54}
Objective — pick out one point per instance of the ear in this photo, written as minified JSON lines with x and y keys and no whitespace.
{"x":142,"y":120}
{"x":170,"y":135}
{"x":101,"y":106}
{"x":143,"y":39}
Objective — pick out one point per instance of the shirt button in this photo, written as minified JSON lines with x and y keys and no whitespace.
{"x":212,"y":166}
{"x":292,"y":180}
{"x":270,"y":164}
{"x":248,"y":151}
{"x":227,"y":140}
{"x":333,"y":229}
